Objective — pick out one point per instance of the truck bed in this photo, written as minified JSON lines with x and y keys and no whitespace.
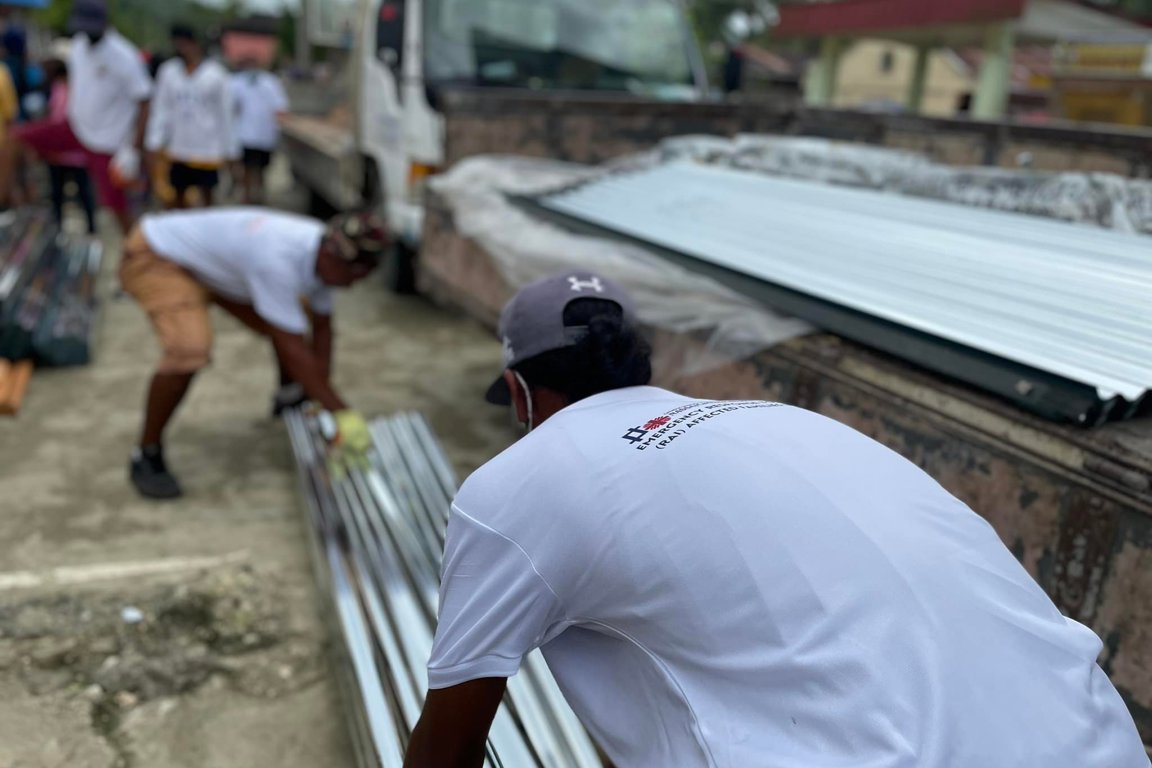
{"x":322,"y":151}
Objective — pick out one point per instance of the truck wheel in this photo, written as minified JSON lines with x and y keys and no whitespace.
{"x":400,"y":270}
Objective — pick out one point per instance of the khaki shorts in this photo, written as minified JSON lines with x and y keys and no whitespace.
{"x":176,"y":304}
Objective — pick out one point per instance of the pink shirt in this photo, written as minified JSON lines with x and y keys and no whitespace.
{"x":58,"y":113}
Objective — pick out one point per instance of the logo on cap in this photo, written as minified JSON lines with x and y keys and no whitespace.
{"x":592,"y":284}
{"x":509,"y":352}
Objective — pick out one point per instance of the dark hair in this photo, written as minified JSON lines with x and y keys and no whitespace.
{"x":184,"y":32}
{"x":613,"y":355}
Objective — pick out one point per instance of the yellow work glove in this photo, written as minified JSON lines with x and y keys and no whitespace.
{"x":349,"y":442}
{"x":352,"y":434}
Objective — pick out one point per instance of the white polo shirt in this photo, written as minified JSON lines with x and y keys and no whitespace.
{"x":192,"y":114}
{"x":259,"y":98}
{"x":255,"y":256}
{"x":747,"y":585}
{"x":107,"y":82}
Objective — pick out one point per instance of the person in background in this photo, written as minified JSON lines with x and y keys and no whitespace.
{"x":13,"y":93}
{"x":26,"y":76}
{"x":66,"y":167}
{"x":260,"y":266}
{"x":721,"y":584}
{"x":191,"y":122}
{"x":107,"y":113}
{"x":260,"y":102}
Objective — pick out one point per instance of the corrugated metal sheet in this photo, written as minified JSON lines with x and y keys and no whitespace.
{"x":1068,"y":300}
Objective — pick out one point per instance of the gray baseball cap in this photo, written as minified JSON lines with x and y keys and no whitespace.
{"x":533,"y":321}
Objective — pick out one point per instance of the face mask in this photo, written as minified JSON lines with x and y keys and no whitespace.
{"x":527,"y":398}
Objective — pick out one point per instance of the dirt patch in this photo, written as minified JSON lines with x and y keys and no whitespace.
{"x":121,"y":650}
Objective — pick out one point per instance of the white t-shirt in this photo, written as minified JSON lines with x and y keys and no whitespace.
{"x":192,"y":114}
{"x":748,"y":585}
{"x":259,"y":96}
{"x":251,"y":255}
{"x":107,"y":82}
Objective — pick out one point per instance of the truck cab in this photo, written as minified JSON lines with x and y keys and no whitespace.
{"x":385,"y":137}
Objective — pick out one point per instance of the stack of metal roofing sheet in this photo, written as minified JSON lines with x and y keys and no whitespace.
{"x":1056,"y":317}
{"x":377,"y":531}
{"x":47,"y":291}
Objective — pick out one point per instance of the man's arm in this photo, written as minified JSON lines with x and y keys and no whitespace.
{"x":229,"y":145}
{"x":305,"y":367}
{"x":322,"y":342}
{"x":294,"y":353}
{"x":139,"y":83}
{"x":154,"y":118}
{"x":454,"y":726}
{"x":144,"y":112}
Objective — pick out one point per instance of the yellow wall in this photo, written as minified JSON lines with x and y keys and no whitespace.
{"x":862,"y":78}
{"x":1124,"y":104}
{"x":1104,"y":83}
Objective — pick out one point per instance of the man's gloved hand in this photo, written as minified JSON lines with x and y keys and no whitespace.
{"x":352,"y":435}
{"x":349,"y":442}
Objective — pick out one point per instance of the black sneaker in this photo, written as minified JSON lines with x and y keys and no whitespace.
{"x":150,"y":474}
{"x":287,"y":397}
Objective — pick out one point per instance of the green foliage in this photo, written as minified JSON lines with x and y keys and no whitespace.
{"x":146,"y":22}
{"x":55,"y":16}
{"x":708,"y":17}
{"x":288,"y":33}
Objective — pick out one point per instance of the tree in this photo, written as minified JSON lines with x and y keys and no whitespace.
{"x":55,"y":16}
{"x":710,"y":16}
{"x":147,"y":22}
{"x":710,"y":22}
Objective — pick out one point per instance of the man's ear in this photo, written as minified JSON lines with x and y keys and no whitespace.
{"x":519,"y":396}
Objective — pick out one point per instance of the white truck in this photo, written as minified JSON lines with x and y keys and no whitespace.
{"x":379,"y":136}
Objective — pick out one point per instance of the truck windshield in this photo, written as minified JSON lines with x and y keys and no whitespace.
{"x":639,"y":45}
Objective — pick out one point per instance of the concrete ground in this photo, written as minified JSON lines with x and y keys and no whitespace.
{"x":187,"y":634}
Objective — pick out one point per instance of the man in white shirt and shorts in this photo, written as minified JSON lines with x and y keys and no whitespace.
{"x":107,"y":112}
{"x":192,"y":119}
{"x":274,"y":272}
{"x":739,"y":584}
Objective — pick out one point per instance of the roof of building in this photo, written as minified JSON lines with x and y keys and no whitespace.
{"x":957,"y":23}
